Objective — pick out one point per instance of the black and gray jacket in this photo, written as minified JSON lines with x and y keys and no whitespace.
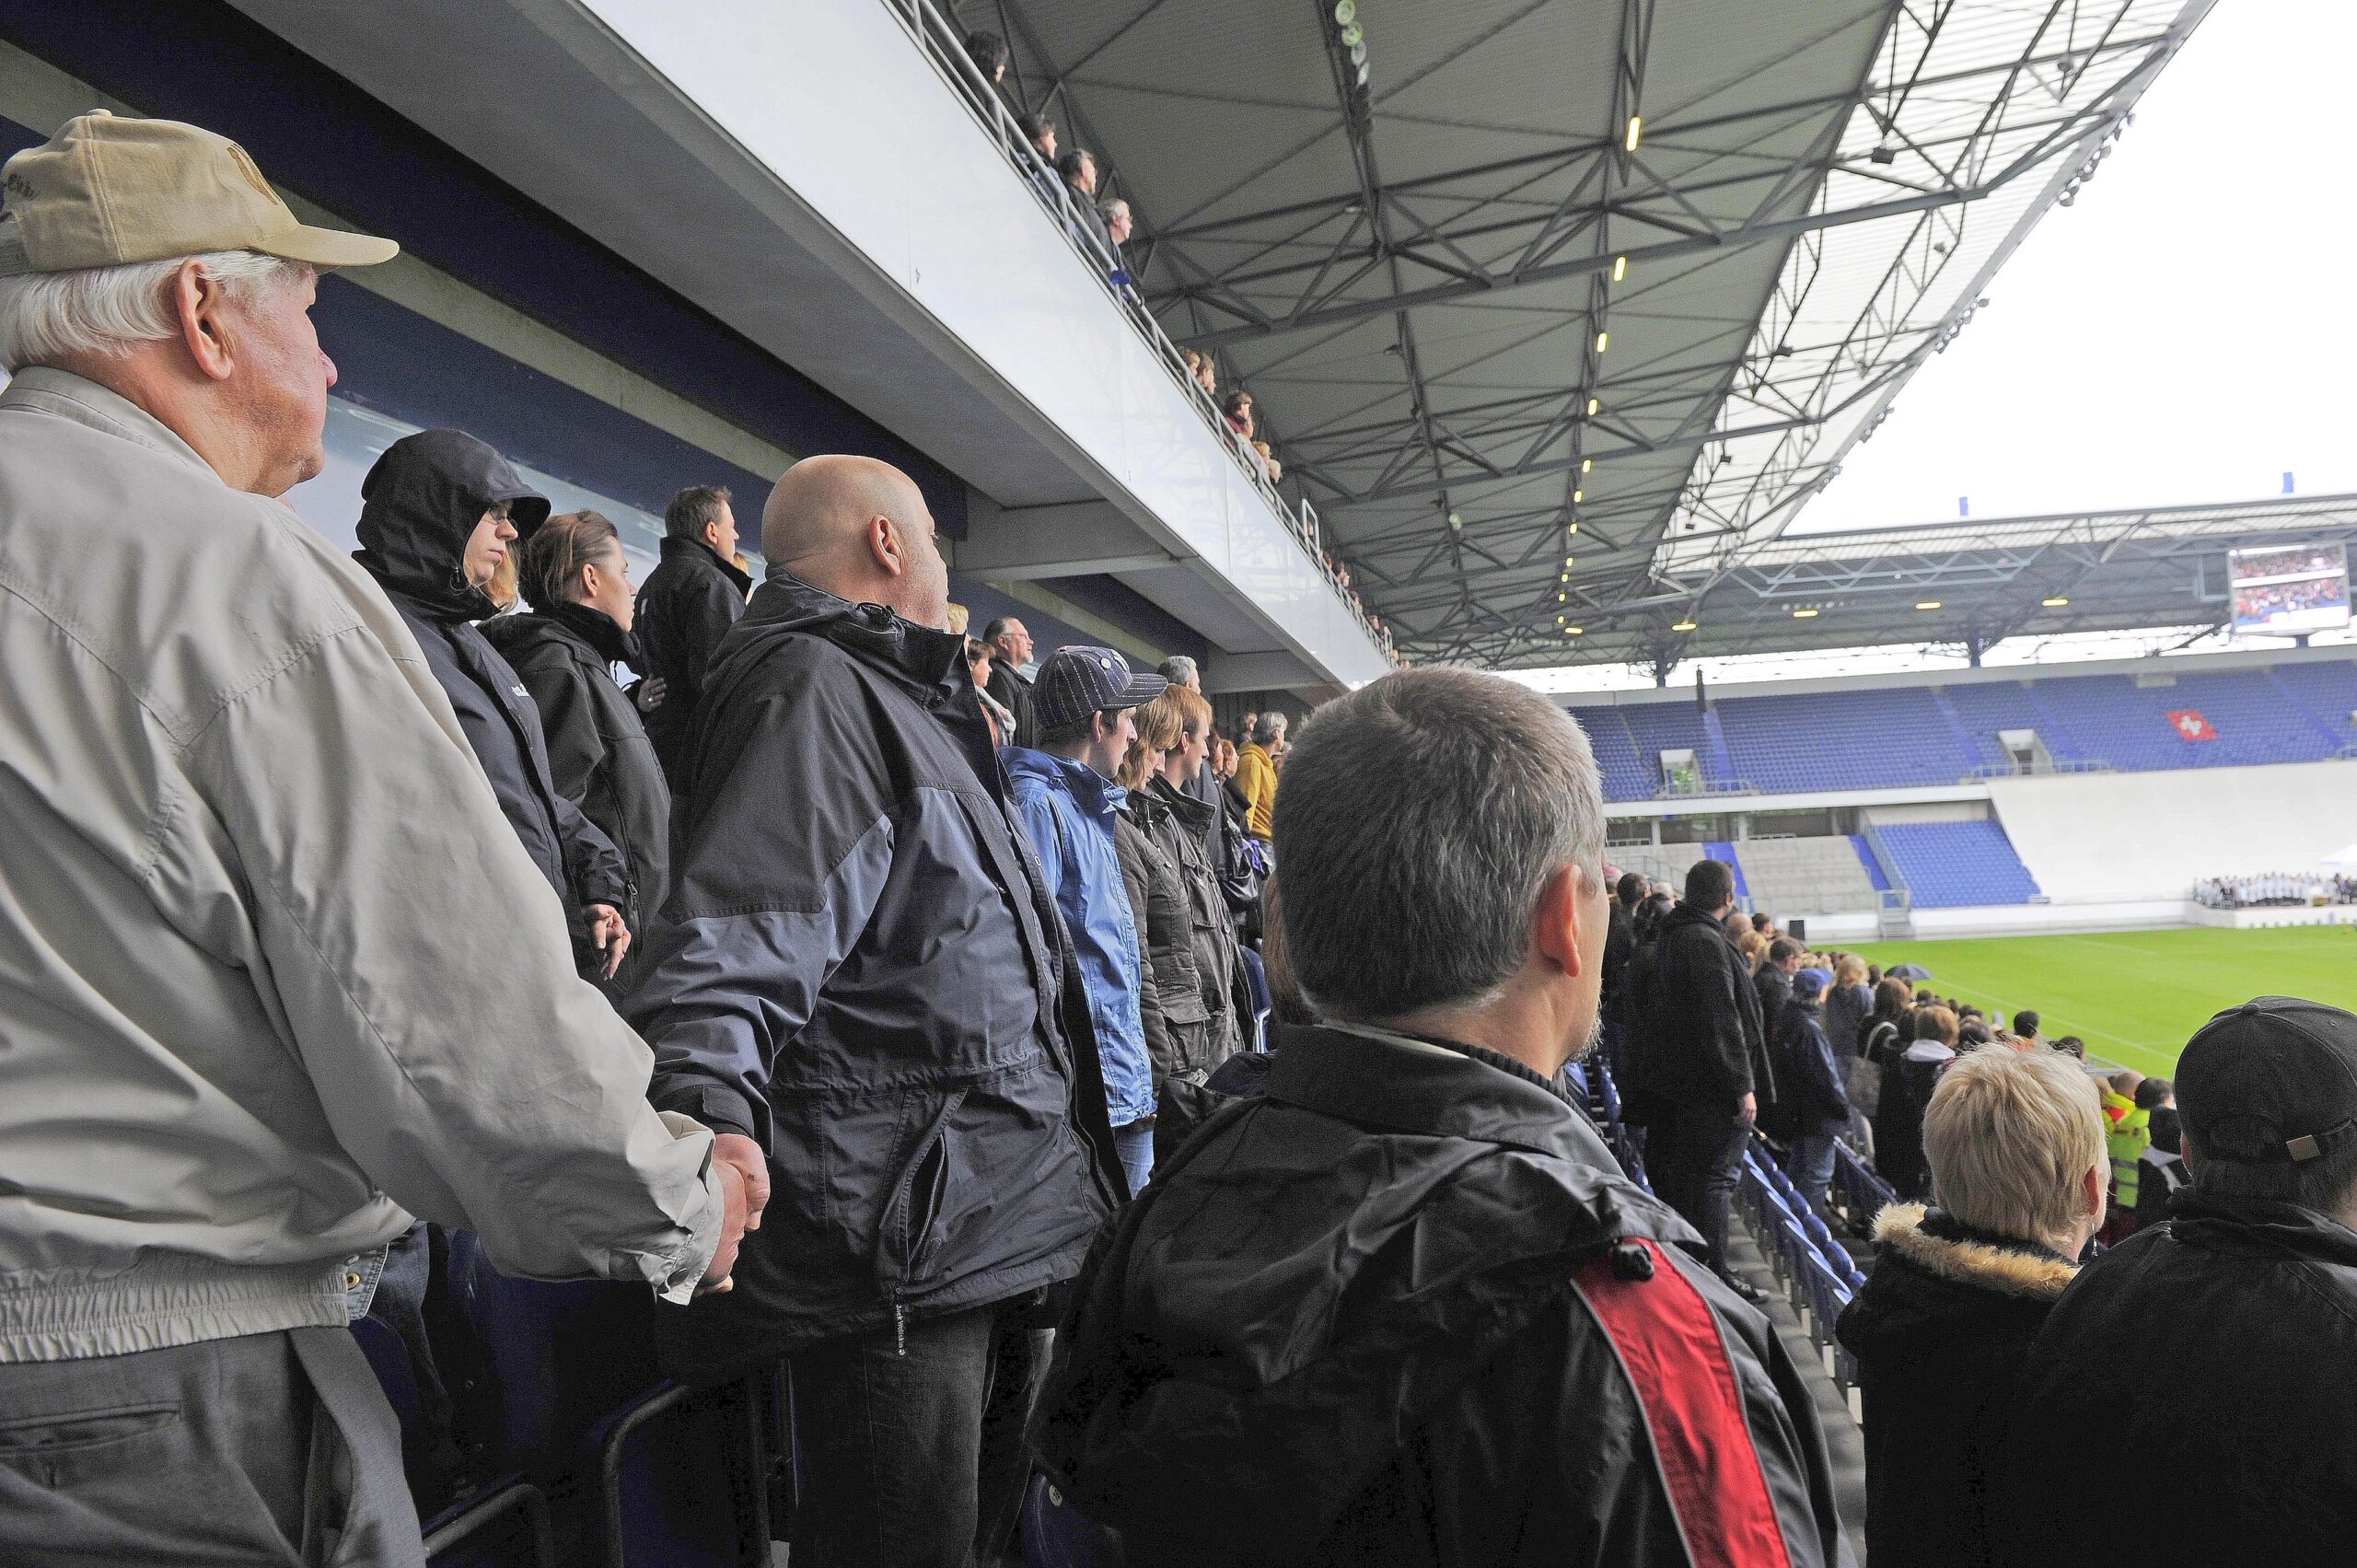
{"x":1182,"y":1032}
{"x":599,"y":756}
{"x":420,"y":505}
{"x":1703,"y":1040}
{"x":860,"y":967}
{"x":1403,"y":1309}
{"x":1184,"y":829}
{"x":685,"y":608}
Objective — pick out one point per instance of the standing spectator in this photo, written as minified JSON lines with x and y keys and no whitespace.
{"x":687,"y":604}
{"x":1068,"y":802}
{"x":2193,"y":1384}
{"x":1703,"y":1070}
{"x":862,"y":981}
{"x":2161,"y":1172}
{"x":1619,"y":950}
{"x":599,"y":759}
{"x":1078,"y":169}
{"x":1404,"y":1309}
{"x":1754,"y":950}
{"x":977,"y":669}
{"x":1765,"y":924}
{"x":2025,"y":1031}
{"x":1180,"y":670}
{"x":1040,"y":131}
{"x":1256,"y":773}
{"x":439,"y":510}
{"x":1219,"y":960}
{"x":990,"y":54}
{"x":1010,"y":651}
{"x":1881,"y":1039}
{"x":1182,"y":1032}
{"x":2128,"y":1135}
{"x":1905,"y":1091}
{"x":250,"y":1028}
{"x":1775,"y":977}
{"x":1847,"y":1004}
{"x":1941,"y":1329}
{"x":1816,"y":1108}
{"x":1118,"y":225}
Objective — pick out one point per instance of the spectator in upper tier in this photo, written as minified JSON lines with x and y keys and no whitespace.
{"x":1256,"y":773}
{"x":990,"y":54}
{"x":687,"y":604}
{"x":1078,"y":169}
{"x":1118,"y":227}
{"x":280,"y":976}
{"x":599,"y":758}
{"x":1941,"y":1329}
{"x":1064,"y":791}
{"x":1404,"y":1309}
{"x":1703,"y":1068}
{"x":861,"y":978}
{"x":2024,"y":1030}
{"x":1040,"y":131}
{"x":1237,"y":407}
{"x":2193,"y":1384}
{"x":1816,"y":1108}
{"x":1010,"y":652}
{"x":1775,"y":977}
{"x":439,"y":509}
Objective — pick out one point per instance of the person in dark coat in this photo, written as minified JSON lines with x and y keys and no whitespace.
{"x":2194,"y":1383}
{"x":1775,"y":977}
{"x":1941,"y":1327}
{"x":1011,"y":648}
{"x":439,"y":512}
{"x":1816,"y":1109}
{"x":860,"y":982}
{"x":1701,"y":1070}
{"x":577,"y":579}
{"x":1907,"y":1088}
{"x":1402,"y":1307}
{"x":687,"y":603}
{"x":1219,"y":957}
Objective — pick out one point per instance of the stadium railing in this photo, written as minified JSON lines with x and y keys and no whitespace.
{"x":945,"y":45}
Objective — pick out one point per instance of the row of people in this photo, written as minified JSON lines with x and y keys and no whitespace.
{"x":2275,"y":889}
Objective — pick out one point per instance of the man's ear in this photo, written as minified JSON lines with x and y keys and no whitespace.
{"x":2096,"y":1187}
{"x":1555,"y":921}
{"x":201,"y":305}
{"x":885,"y":543}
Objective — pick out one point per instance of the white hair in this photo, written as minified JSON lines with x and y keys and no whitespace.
{"x":45,"y":317}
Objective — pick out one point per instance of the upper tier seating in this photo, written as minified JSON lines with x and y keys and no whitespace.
{"x":1900,"y":737}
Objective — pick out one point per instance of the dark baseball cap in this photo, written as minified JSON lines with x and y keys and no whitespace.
{"x":1078,"y":681}
{"x":2273,"y":1080}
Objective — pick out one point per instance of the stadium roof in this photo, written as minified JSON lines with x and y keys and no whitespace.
{"x":1644,"y":269}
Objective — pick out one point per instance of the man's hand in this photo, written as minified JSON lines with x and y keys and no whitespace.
{"x":1750,"y":1110}
{"x":716,"y":1279}
{"x":611,"y":935}
{"x":752,"y":1167}
{"x":651,"y":693}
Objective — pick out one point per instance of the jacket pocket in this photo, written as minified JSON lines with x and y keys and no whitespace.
{"x":905,"y":1240}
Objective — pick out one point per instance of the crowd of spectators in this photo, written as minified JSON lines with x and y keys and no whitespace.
{"x":1071,"y":181}
{"x":2275,"y":889}
{"x":898,"y":1022}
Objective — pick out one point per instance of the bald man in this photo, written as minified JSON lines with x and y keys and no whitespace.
{"x":859,"y":983}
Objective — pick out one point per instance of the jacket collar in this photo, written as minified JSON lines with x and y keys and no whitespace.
{"x":1091,"y":791}
{"x":930,"y":663}
{"x":84,"y":402}
{"x":1938,"y":1245}
{"x":1378,"y":1078}
{"x":674,"y":548}
{"x":1684,"y":913}
{"x":1194,"y":815}
{"x":596,"y":630}
{"x":2200,"y":1217}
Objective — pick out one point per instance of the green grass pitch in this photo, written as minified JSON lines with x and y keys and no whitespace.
{"x":2135,"y":996}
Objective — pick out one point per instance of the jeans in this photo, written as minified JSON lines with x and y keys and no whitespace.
{"x":264,"y":1448}
{"x":897,"y":1433}
{"x":1810,"y":1165}
{"x":1134,"y":1143}
{"x":1696,"y":1174}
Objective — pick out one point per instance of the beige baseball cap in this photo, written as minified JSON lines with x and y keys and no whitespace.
{"x":107,"y":190}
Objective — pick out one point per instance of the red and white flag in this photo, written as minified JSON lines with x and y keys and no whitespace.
{"x":2190,"y":725}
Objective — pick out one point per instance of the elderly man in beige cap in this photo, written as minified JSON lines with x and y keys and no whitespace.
{"x":249,"y":872}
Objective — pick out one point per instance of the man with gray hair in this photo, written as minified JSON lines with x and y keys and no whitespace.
{"x":1180,"y":670}
{"x":251,"y":869}
{"x":1404,"y":1307}
{"x":1256,"y":773}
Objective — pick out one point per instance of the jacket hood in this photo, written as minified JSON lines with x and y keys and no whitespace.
{"x":1934,"y":1281}
{"x":930,"y":664}
{"x":420,"y":505}
{"x":1091,"y":790}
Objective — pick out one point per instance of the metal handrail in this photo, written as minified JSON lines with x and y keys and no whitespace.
{"x":1899,"y":894}
{"x":945,"y":46}
{"x":2017,"y":771}
{"x":1709,"y":790}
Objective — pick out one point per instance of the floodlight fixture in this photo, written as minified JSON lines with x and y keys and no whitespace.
{"x":1804,"y":615}
{"x":1346,"y":11}
{"x":1620,"y":268}
{"x":1603,"y":341}
{"x":2057,"y":602}
{"x":1927,"y":604}
{"x":1683,"y":626}
{"x":1353,"y":32}
{"x":1457,"y":520}
{"x":1594,"y":405}
{"x":1574,"y":631}
{"x":1578,"y":497}
{"x":1636,"y":128}
{"x":1587,"y":465}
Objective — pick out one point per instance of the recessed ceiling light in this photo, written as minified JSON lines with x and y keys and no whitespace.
{"x":1927,"y":604}
{"x":1804,"y":615}
{"x":2057,"y":602}
{"x":1683,"y":626}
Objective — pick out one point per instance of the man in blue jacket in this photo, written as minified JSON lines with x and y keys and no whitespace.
{"x":861,"y":982}
{"x":1065,"y":791}
{"x":1821,"y":1107}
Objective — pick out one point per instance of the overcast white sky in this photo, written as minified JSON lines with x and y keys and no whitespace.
{"x":2186,"y":331}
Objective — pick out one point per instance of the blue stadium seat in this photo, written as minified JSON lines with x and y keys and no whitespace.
{"x":1056,"y":1536}
{"x":1949,"y":864}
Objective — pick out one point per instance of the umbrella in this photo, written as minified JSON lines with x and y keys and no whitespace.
{"x":1907,"y":972}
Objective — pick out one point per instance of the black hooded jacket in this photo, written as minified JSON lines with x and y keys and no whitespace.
{"x":420,"y":505}
{"x":1402,"y":1308}
{"x":1703,"y":1040}
{"x":1940,"y":1332}
{"x":2194,"y":1386}
{"x":599,"y":757}
{"x":860,"y":967}
{"x":685,"y":607}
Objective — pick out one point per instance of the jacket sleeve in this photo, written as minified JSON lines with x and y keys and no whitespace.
{"x":1162,"y":1052}
{"x":1816,"y":1053}
{"x":595,"y":864}
{"x":769,"y":899}
{"x":504,"y":1096}
{"x":568,"y":725}
{"x":705,"y":614}
{"x":1703,"y":1001}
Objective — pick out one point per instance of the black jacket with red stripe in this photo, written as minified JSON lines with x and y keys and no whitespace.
{"x":1405,"y":1309}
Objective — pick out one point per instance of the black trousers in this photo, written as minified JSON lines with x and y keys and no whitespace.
{"x":1694,"y":1170}
{"x":911,"y":1444}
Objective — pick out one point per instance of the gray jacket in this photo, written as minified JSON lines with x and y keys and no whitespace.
{"x":275,"y":972}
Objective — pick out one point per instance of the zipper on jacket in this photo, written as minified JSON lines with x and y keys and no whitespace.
{"x":899,"y":1327}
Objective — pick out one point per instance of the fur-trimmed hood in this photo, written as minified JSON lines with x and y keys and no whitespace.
{"x":2037,"y":1274}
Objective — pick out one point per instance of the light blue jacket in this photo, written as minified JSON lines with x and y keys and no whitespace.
{"x":1068,"y":808}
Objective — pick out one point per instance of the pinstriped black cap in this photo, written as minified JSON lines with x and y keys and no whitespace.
{"x":1080,"y":681}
